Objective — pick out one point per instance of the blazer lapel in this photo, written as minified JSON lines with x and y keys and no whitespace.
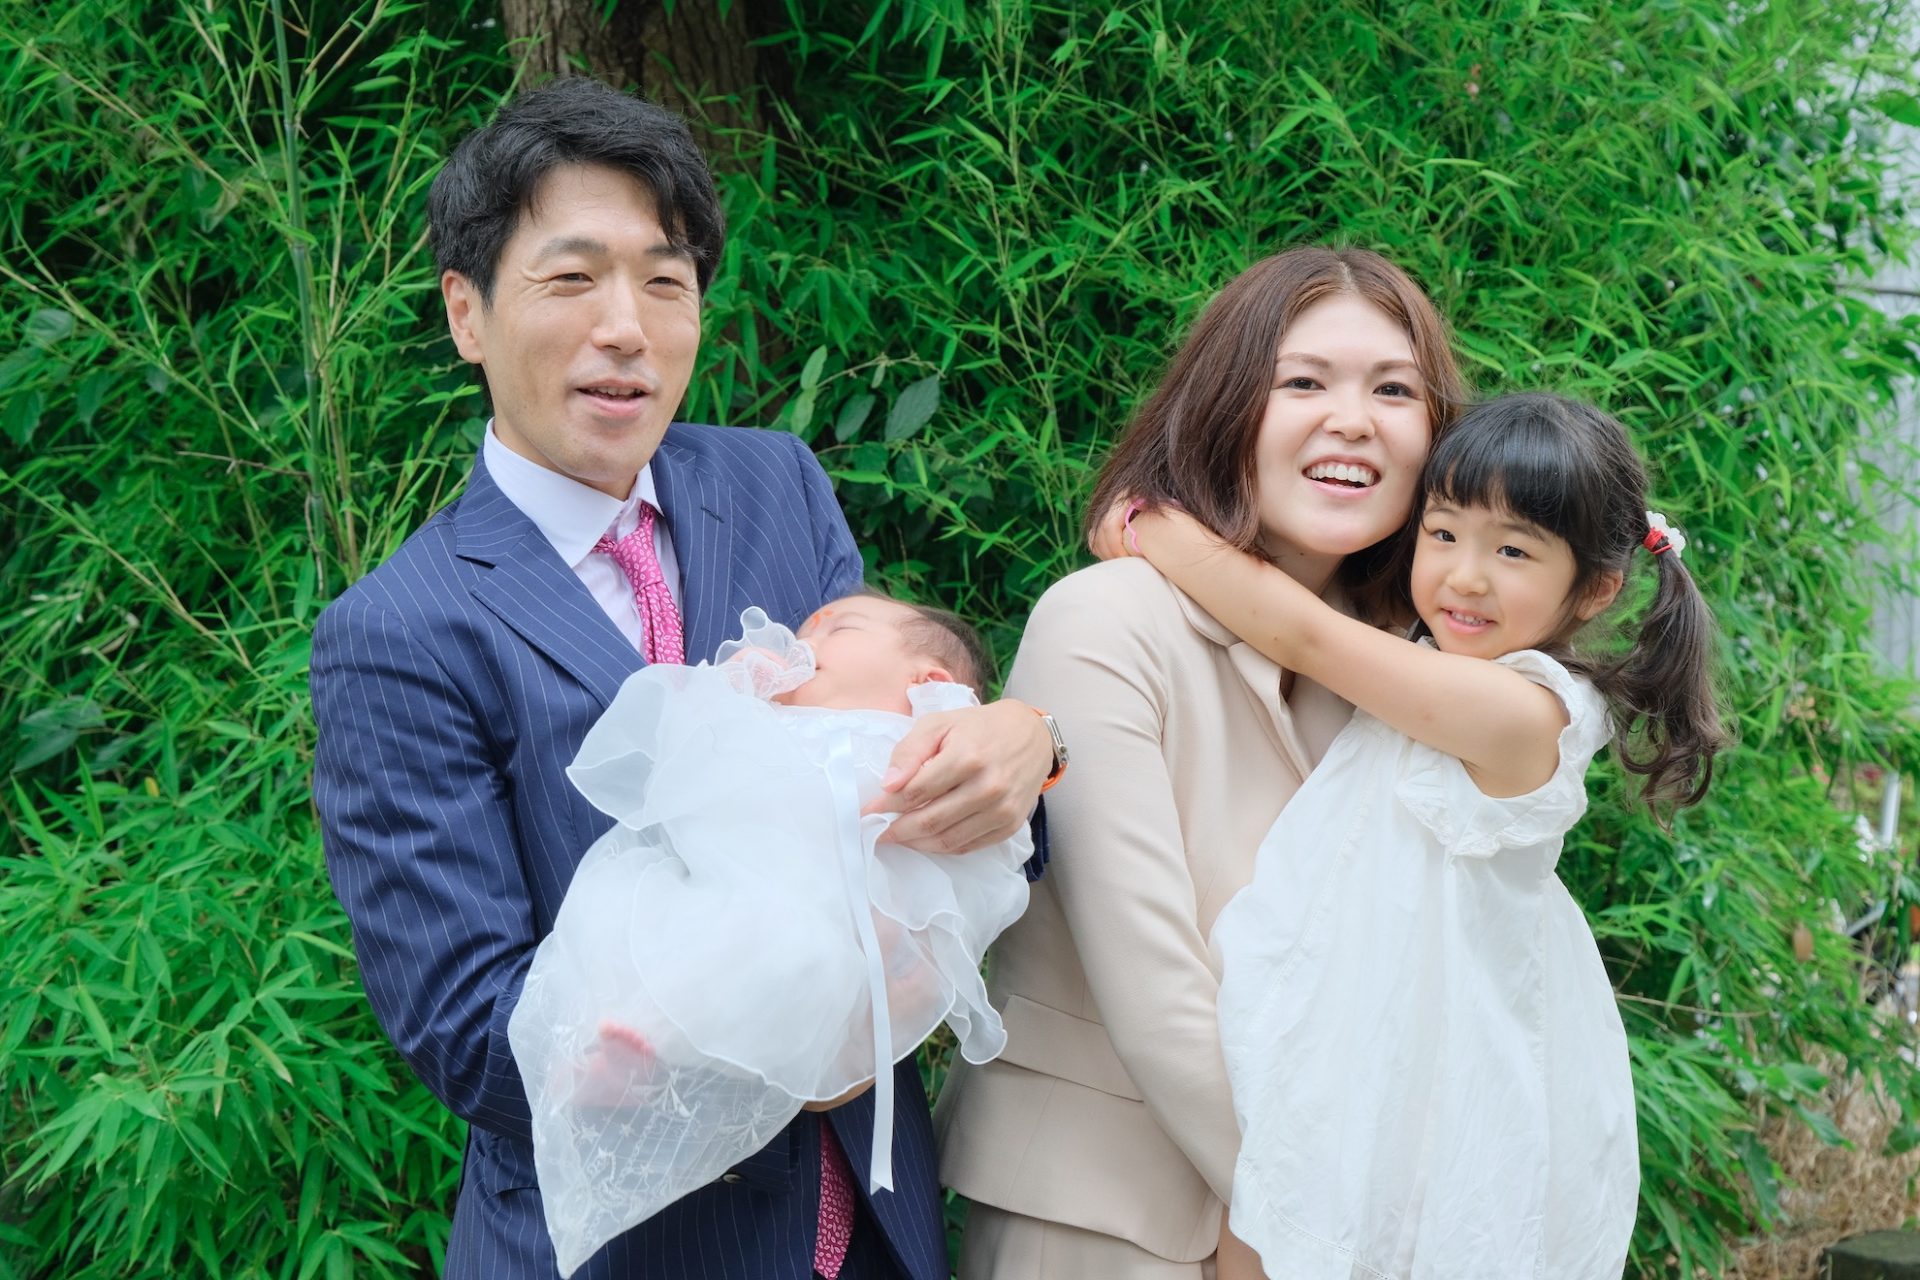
{"x":699,"y":510}
{"x":528,"y":587}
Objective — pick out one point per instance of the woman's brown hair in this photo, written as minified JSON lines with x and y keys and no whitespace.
{"x":1194,"y":439}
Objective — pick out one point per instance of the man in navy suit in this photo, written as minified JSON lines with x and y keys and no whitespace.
{"x":576,"y":236}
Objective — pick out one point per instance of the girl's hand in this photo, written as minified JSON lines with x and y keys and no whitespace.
{"x":1108,"y":539}
{"x":1172,"y":541}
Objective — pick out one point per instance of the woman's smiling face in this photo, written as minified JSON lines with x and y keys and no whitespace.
{"x":1346,"y":429}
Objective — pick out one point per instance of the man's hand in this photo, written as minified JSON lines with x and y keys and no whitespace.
{"x":962,"y":780}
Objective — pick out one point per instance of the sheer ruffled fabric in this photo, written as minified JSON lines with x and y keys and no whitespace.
{"x":738,"y":944}
{"x":1426,"y":1057}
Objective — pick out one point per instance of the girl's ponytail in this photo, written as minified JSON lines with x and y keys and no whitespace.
{"x":1662,"y":689}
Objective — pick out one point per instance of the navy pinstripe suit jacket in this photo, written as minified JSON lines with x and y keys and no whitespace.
{"x":452,"y":685}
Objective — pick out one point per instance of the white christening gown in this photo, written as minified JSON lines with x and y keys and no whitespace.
{"x":738,"y":944}
{"x":1426,"y":1057}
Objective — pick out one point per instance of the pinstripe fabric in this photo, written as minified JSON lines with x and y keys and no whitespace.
{"x":452,"y":685}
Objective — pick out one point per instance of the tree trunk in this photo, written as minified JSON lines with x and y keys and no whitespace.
{"x":697,"y":60}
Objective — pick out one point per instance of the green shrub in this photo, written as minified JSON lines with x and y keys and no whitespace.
{"x":225,"y":392}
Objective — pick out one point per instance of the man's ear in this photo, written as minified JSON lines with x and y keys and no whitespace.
{"x":1600,"y":594}
{"x":466,"y":315}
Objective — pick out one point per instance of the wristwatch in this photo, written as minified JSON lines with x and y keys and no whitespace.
{"x":1060,"y":756}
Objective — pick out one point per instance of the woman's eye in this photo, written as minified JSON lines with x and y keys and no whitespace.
{"x":1395,"y":389}
{"x":1299,"y":383}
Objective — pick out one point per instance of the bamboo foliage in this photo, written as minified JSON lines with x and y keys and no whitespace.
{"x":225,"y":392}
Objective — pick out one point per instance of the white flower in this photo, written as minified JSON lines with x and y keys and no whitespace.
{"x":1676,"y":541}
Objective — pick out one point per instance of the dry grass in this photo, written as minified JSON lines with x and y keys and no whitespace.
{"x":1832,"y":1192}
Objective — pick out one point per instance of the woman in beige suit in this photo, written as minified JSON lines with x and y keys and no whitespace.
{"x":1294,"y":419}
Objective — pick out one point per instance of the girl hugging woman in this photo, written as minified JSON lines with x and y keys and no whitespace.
{"x":1427,"y":1064}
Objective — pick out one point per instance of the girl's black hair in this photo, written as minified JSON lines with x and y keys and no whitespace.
{"x":1570,"y":469}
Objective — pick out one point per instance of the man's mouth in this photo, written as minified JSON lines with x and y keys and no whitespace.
{"x":1346,"y":475}
{"x":614,"y":392}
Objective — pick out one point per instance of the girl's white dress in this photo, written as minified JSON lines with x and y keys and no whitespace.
{"x":1427,"y":1061}
{"x":738,"y":944}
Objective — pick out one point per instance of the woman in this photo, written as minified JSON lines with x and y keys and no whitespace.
{"x":1293,"y":421}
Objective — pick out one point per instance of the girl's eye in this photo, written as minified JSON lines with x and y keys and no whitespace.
{"x":1513,"y":553}
{"x":1443,"y":535}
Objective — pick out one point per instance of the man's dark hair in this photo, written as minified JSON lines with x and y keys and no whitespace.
{"x":490,"y":180}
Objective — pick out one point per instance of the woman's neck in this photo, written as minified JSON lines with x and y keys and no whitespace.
{"x":1312,"y":570}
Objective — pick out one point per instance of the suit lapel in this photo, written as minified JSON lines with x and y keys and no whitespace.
{"x":699,"y":509}
{"x":528,"y":587}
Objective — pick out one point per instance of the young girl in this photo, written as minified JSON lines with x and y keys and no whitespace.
{"x":1426,"y":1059}
{"x":739,"y":944}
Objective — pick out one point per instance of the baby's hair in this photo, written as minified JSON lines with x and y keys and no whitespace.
{"x":1570,"y":469}
{"x":948,"y":639}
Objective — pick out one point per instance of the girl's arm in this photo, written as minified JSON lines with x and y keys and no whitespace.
{"x":1501,"y":725}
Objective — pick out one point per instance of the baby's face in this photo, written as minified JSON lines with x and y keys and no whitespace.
{"x":862,"y":660}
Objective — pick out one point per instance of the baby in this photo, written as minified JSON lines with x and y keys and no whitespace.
{"x":740,"y":944}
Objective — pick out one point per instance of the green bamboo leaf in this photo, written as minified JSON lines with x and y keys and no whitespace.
{"x":913,"y":409}
{"x":810,"y":375}
{"x":853,"y":415}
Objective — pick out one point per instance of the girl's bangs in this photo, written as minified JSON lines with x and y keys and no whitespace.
{"x":1509,"y":462}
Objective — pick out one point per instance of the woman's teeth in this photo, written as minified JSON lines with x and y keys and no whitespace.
{"x":1348,"y":473}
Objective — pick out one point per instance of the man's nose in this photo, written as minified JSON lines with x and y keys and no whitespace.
{"x":620,"y":326}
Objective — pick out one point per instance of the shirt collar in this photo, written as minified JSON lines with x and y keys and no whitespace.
{"x":570,"y":515}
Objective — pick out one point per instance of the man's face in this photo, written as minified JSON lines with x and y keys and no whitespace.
{"x":588,"y":342}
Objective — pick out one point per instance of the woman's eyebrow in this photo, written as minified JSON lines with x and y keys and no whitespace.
{"x":1312,"y":361}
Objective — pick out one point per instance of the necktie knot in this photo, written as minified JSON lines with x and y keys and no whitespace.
{"x":663,"y":640}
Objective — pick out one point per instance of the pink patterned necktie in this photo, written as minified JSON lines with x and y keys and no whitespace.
{"x":659,"y":616}
{"x":836,"y":1206}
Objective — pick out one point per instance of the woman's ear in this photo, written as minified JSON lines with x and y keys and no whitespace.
{"x":1600,"y":594}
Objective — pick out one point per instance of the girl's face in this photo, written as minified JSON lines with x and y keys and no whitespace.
{"x":1345,"y":432}
{"x":1487,"y":583}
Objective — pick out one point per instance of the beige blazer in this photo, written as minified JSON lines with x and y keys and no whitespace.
{"x":1109,"y":1110}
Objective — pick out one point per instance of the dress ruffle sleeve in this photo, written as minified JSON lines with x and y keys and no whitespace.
{"x":1437,"y":790}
